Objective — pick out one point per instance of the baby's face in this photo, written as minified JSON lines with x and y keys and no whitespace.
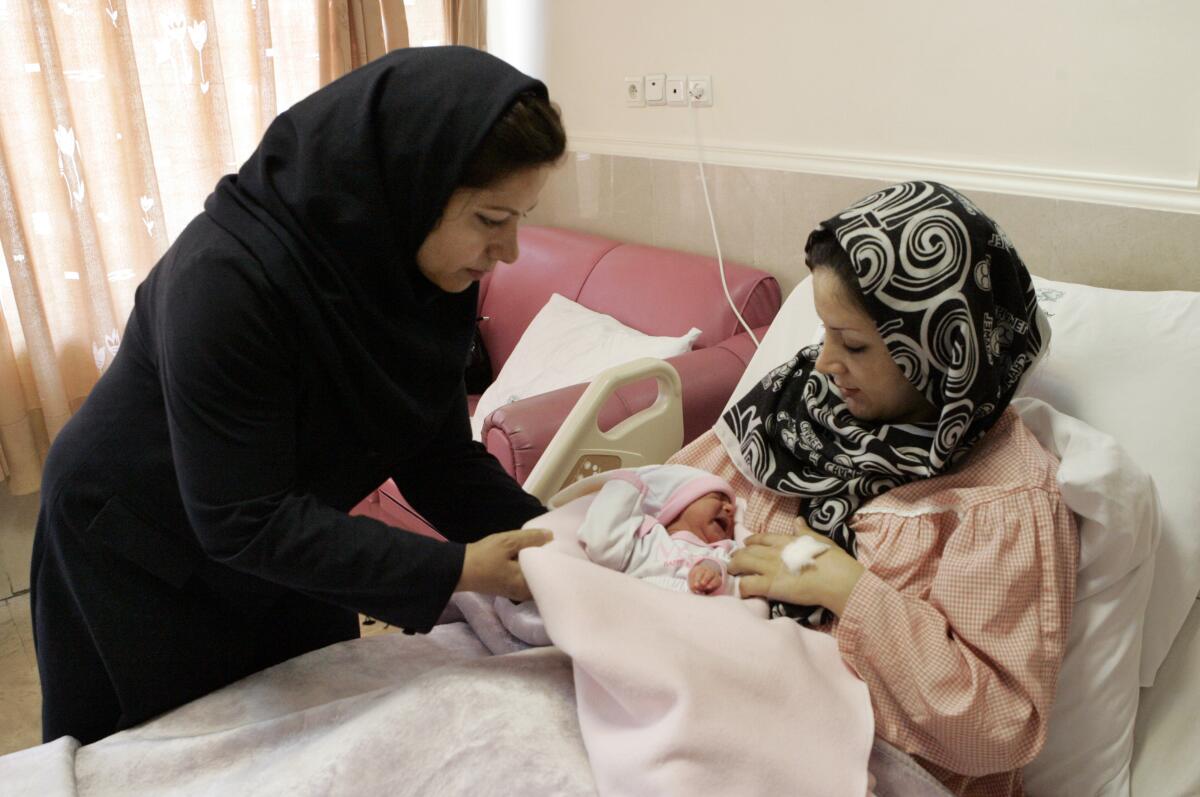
{"x":709,"y":517}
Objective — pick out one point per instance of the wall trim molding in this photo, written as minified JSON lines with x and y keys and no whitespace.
{"x":1179,"y":196}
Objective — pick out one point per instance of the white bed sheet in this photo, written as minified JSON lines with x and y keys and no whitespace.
{"x":388,"y":715}
{"x":1167,"y":734}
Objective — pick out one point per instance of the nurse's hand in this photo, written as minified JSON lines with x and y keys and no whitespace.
{"x":491,"y":565}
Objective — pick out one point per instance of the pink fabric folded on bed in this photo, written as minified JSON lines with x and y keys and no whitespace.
{"x":684,"y":694}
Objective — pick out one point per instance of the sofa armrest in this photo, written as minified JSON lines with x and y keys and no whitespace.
{"x":518,"y":433}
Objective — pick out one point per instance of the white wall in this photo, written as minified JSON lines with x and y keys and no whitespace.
{"x":1086,"y":99}
{"x":516,"y":32}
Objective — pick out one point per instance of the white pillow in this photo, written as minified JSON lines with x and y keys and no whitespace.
{"x":796,"y":325}
{"x":1089,"y":743}
{"x":1128,"y":363}
{"x":566,"y":344}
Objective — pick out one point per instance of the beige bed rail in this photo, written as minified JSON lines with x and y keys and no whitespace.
{"x":580,"y":449}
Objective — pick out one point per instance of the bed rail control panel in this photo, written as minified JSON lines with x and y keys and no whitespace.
{"x":590,"y":465}
{"x":580,"y":449}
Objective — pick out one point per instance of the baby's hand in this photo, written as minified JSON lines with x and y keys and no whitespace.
{"x":704,"y":578}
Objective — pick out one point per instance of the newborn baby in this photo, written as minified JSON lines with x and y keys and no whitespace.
{"x":671,"y":525}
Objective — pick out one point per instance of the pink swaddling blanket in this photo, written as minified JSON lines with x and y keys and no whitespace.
{"x":686,"y":694}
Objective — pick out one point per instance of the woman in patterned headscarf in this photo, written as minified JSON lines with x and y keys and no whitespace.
{"x":952,"y":569}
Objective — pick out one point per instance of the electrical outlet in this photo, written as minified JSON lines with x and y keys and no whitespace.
{"x":700,"y":90}
{"x":635,"y":92}
{"x":676,"y":90}
{"x":656,"y":93}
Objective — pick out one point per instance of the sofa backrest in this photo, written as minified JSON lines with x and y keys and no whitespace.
{"x":657,"y":291}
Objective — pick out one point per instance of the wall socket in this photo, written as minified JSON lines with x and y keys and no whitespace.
{"x":635,"y":92}
{"x":699,"y":89}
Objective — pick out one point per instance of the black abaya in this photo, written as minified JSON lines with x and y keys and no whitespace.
{"x":282,"y":359}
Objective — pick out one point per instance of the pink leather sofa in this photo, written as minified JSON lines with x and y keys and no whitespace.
{"x":657,"y":291}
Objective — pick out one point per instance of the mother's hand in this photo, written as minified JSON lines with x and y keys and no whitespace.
{"x":490,"y":565}
{"x":828,"y":582}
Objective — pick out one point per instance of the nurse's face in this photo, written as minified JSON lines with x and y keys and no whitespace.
{"x":855,"y":357}
{"x":478,"y":228}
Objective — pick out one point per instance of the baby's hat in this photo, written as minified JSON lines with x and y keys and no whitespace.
{"x":668,"y":489}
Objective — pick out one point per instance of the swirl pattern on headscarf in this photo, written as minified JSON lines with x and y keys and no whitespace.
{"x":955,"y":306}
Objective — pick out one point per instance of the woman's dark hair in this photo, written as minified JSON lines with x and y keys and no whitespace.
{"x":824,"y":251}
{"x":529,"y":134}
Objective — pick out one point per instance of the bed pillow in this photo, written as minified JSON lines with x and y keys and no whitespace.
{"x":1128,"y":363}
{"x":1089,"y":742}
{"x":566,"y":344}
{"x":795,"y":325}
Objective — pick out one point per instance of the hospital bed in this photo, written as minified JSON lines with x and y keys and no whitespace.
{"x":437,"y":714}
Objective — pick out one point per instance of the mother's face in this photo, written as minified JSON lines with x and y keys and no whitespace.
{"x":855,"y":357}
{"x":477,"y":228}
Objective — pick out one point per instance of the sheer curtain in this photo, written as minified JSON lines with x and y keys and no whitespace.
{"x":466,"y":22}
{"x":117,"y":117}
{"x":353,"y":32}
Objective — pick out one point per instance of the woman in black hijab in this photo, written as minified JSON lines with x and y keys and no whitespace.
{"x":303,"y":340}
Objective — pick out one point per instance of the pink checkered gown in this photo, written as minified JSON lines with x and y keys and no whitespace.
{"x":960,"y":623}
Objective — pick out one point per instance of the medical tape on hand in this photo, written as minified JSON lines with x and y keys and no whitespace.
{"x":802,"y":553}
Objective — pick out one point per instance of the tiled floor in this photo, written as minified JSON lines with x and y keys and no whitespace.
{"x":18,"y":516}
{"x":20,"y":692}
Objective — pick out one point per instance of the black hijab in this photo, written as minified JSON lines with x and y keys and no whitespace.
{"x":335,"y":203}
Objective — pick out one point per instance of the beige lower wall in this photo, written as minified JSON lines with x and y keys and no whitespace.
{"x":764,"y":216}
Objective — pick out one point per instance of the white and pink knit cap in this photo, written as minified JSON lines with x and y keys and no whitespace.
{"x":668,"y":489}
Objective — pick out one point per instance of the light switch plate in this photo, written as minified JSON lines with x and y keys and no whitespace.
{"x":677,"y":90}
{"x":656,"y":92}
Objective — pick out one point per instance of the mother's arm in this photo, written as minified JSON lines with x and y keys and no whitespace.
{"x":964,"y":675}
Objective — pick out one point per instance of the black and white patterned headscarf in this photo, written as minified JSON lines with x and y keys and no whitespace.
{"x":954,"y":303}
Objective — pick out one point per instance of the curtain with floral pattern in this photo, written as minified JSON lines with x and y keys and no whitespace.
{"x":117,"y":117}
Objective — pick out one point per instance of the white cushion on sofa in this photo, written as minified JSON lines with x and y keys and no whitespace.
{"x":566,"y":344}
